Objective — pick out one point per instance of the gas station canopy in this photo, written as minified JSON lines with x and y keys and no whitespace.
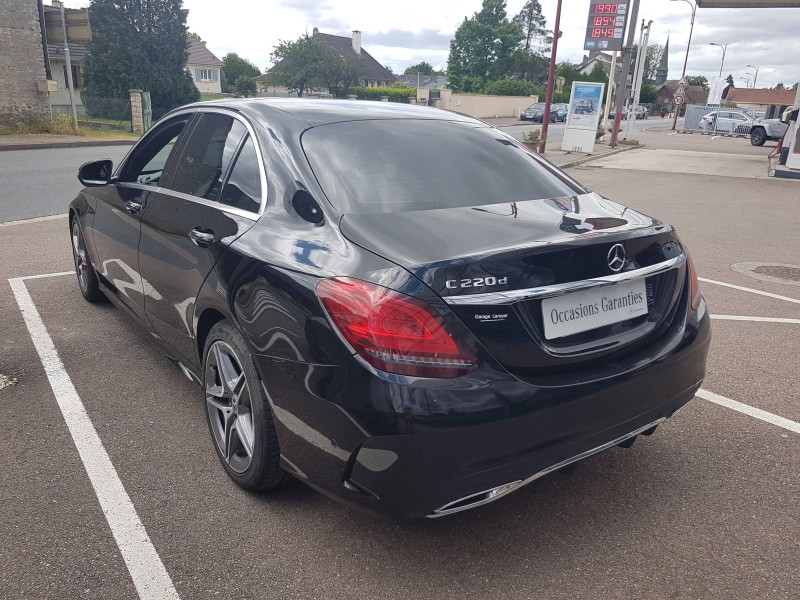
{"x":748,"y":3}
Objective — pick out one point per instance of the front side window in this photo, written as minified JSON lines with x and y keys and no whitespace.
{"x":149,"y":159}
{"x":208,"y":155}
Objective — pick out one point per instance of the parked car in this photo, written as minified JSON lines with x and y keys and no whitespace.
{"x":562,"y":110}
{"x":726,"y":121}
{"x":415,"y":329}
{"x":535,"y":112}
{"x":766,"y":129}
{"x":642,"y":112}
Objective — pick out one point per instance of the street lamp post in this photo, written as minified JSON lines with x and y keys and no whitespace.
{"x":755,"y":77}
{"x":724,"y":49}
{"x":685,"y":60}
{"x":745,"y":79}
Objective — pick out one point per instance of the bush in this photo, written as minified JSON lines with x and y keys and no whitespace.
{"x":59,"y":124}
{"x":395,"y":93}
{"x":511,"y":87}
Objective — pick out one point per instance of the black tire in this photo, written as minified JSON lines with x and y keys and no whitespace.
{"x":758,"y":136}
{"x":87,"y":278}
{"x":238,"y":413}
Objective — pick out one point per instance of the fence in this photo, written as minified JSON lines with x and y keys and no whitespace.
{"x":720,"y":120}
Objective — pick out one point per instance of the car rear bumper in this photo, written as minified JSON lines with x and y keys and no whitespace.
{"x":417,"y":449}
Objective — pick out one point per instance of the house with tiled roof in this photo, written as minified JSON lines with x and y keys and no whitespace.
{"x":76,"y":22}
{"x":205,"y":68}
{"x":374,"y":73}
{"x":772,"y":101}
{"x":693,"y":94}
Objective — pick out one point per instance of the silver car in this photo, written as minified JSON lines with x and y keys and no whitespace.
{"x":726,"y":121}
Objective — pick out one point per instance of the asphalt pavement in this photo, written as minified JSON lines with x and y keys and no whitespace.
{"x":705,"y":508}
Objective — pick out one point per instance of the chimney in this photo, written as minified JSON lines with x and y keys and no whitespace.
{"x":56,"y":3}
{"x":357,"y":42}
{"x":316,"y":31}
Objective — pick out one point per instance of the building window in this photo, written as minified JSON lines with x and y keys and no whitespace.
{"x":209,"y":75}
{"x":77,"y":79}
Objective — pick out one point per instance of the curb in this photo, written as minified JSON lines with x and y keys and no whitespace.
{"x":592,"y":157}
{"x":52,"y":145}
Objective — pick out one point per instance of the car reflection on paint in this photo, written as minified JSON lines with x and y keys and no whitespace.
{"x":412,"y":328}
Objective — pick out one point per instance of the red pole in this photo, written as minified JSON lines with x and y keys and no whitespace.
{"x":550,"y":78}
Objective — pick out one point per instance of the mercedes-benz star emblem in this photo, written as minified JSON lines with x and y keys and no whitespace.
{"x":616,"y":258}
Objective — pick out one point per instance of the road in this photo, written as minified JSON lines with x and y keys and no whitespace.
{"x":39,"y":183}
{"x":705,"y":508}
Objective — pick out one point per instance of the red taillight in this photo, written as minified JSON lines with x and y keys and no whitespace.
{"x":694,"y":285}
{"x":393,"y":332}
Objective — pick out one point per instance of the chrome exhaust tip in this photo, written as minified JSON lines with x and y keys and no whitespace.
{"x":474,"y":500}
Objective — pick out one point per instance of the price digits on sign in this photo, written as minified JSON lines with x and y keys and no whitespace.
{"x":606,"y":9}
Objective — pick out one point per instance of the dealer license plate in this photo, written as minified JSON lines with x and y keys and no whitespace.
{"x":589,"y":309}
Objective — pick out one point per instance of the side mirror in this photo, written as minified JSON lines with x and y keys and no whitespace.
{"x":96,"y":173}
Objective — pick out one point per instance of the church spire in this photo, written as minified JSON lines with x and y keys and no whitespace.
{"x":663,"y":66}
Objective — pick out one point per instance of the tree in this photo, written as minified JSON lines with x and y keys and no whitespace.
{"x":139,"y":45}
{"x":569,"y":71}
{"x":651,"y":61}
{"x":195,"y":36}
{"x":341,"y":72}
{"x":697,"y":80}
{"x":483,"y":48}
{"x":309,"y":63}
{"x":530,"y":60}
{"x":245,"y":86}
{"x":648,"y":93}
{"x":422,"y":68}
{"x":234,"y":67}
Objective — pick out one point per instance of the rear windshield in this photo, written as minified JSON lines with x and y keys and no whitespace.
{"x":403,"y":165}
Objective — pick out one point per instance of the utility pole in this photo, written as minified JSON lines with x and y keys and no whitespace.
{"x":622,"y":90}
{"x":551,"y":79}
{"x":70,"y":85}
{"x":610,"y":89}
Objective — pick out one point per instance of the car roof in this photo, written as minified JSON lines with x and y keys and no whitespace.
{"x":305,"y":112}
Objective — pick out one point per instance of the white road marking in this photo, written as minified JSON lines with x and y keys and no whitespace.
{"x":148,"y":573}
{"x":756,"y":319}
{"x":751,"y":290}
{"x":751,"y":411}
{"x":34,"y":220}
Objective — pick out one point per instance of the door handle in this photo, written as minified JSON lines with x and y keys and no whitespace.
{"x":132,"y":207}
{"x":202,"y":237}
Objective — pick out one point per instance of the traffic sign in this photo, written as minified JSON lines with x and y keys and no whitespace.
{"x":678,"y":99}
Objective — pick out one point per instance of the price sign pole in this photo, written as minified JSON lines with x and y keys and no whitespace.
{"x":605,"y":30}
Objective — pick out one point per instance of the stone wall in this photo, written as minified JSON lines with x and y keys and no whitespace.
{"x":21,"y":62}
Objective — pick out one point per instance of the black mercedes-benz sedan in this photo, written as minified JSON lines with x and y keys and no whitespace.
{"x":402,"y":307}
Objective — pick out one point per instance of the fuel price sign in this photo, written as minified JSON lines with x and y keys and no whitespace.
{"x":606,"y":25}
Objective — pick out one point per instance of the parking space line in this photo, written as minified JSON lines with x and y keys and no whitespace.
{"x":756,"y":319}
{"x":148,"y":573}
{"x":751,"y":290}
{"x":751,"y":411}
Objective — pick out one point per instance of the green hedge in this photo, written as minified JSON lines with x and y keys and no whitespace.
{"x":395,"y":93}
{"x":512,"y":87}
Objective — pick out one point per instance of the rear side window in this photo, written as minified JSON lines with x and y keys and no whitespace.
{"x":243,"y":188}
{"x":404,"y":164}
{"x":209,"y":152}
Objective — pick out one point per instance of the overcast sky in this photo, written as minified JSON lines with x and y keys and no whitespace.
{"x":400,"y":34}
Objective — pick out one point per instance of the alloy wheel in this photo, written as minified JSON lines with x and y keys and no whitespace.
{"x":229,"y":406}
{"x":79,"y":254}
